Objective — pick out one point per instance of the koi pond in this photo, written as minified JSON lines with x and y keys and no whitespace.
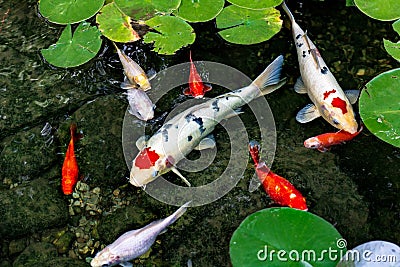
{"x":353,"y":186}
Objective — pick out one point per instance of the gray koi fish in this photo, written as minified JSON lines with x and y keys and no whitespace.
{"x":135,"y":75}
{"x":329,"y":100}
{"x":134,"y":243}
{"x":185,"y":131}
{"x":140,"y":104}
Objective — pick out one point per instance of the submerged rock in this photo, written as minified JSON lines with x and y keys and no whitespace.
{"x":36,"y":254}
{"x":33,"y":207}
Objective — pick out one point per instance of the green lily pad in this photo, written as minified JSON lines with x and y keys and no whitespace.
{"x":378,"y":9}
{"x":115,"y":25}
{"x":199,"y":10}
{"x":396,"y":26}
{"x":380,"y":106}
{"x":255,"y":4}
{"x":393,"y":49}
{"x":246,"y":26}
{"x":172,"y":34}
{"x":74,"y":50}
{"x":69,"y":11}
{"x":145,"y":9}
{"x":285,"y":237}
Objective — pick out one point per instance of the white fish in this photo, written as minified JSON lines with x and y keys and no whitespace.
{"x":140,"y":104}
{"x":189,"y":129}
{"x":134,"y":243}
{"x":134,"y":74}
{"x":317,"y":81}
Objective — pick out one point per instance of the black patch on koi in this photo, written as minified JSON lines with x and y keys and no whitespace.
{"x":190,"y":138}
{"x":199,"y":121}
{"x":165,"y":135}
{"x":324,"y":70}
{"x":226,"y":97}
{"x":304,"y":54}
{"x":298,"y":36}
{"x":167,"y":126}
{"x":299,"y":44}
{"x":215,"y":105}
{"x":190,"y":117}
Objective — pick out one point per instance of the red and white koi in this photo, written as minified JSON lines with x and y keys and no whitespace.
{"x":134,"y":74}
{"x":185,"y":131}
{"x":70,"y":166}
{"x":324,"y":141}
{"x":329,"y":100}
{"x":134,"y":243}
{"x":196,"y":88}
{"x":278,"y":188}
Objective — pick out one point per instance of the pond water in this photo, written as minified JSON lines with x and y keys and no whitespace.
{"x":354,"y":186}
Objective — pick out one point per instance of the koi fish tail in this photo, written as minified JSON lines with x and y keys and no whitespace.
{"x":178,"y":213}
{"x":269,"y":80}
{"x":190,"y":55}
{"x":286,"y":9}
{"x":74,"y":135}
{"x":254,"y":148}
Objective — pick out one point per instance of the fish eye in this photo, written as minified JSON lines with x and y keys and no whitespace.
{"x":104,"y":265}
{"x":335,"y":121}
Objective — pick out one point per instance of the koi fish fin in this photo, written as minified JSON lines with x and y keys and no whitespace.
{"x":308,"y":113}
{"x":299,"y":86}
{"x":288,"y":12}
{"x":177,"y":214}
{"x":269,"y":80}
{"x":234,"y":113}
{"x":322,"y":149}
{"x":314,"y":53}
{"x":208,"y":142}
{"x":187,"y":92}
{"x":352,"y":95}
{"x":141,"y":142}
{"x":127,"y":85}
{"x":175,"y":170}
{"x":126,"y":264}
{"x":207,"y":87}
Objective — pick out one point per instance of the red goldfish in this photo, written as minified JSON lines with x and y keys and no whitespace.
{"x":70,"y":165}
{"x":196,"y":88}
{"x":278,"y":188}
{"x":324,"y":141}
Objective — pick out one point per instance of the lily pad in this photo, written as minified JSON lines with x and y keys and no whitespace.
{"x":285,"y":237}
{"x":199,"y":10}
{"x":246,"y":26}
{"x":380,"y":10}
{"x":373,"y":253}
{"x":255,"y":4}
{"x":172,"y":34}
{"x":393,"y":48}
{"x":146,"y":9}
{"x":74,"y":50}
{"x":115,"y":25}
{"x":380,"y":106}
{"x":69,"y":11}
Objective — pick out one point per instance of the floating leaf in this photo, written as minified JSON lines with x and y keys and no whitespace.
{"x":74,"y":50}
{"x":285,"y":237}
{"x":373,"y":253}
{"x":246,"y":26}
{"x":256,"y":4}
{"x":350,"y":3}
{"x":115,"y":25}
{"x":199,"y":10}
{"x":396,"y":26}
{"x":145,"y":9}
{"x":380,"y":106}
{"x":393,"y":49}
{"x":378,"y":9}
{"x":172,"y":34}
{"x":69,"y":11}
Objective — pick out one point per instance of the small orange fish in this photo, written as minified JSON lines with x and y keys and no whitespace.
{"x":278,"y":188}
{"x":324,"y":141}
{"x":70,"y":165}
{"x":196,"y":88}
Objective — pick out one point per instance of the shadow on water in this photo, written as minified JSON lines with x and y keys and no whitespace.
{"x":354,"y":186}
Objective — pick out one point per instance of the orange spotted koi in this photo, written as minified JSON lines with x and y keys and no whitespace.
{"x":70,"y":166}
{"x":196,"y":88}
{"x":278,"y":188}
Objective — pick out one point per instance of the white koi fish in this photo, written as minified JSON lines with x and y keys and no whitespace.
{"x":189,"y":129}
{"x":134,"y":74}
{"x":134,"y":243}
{"x":140,"y":104}
{"x":317,"y":81}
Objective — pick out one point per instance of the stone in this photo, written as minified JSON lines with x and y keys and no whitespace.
{"x":35,"y":254}
{"x":29,"y":208}
{"x":64,"y":242}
